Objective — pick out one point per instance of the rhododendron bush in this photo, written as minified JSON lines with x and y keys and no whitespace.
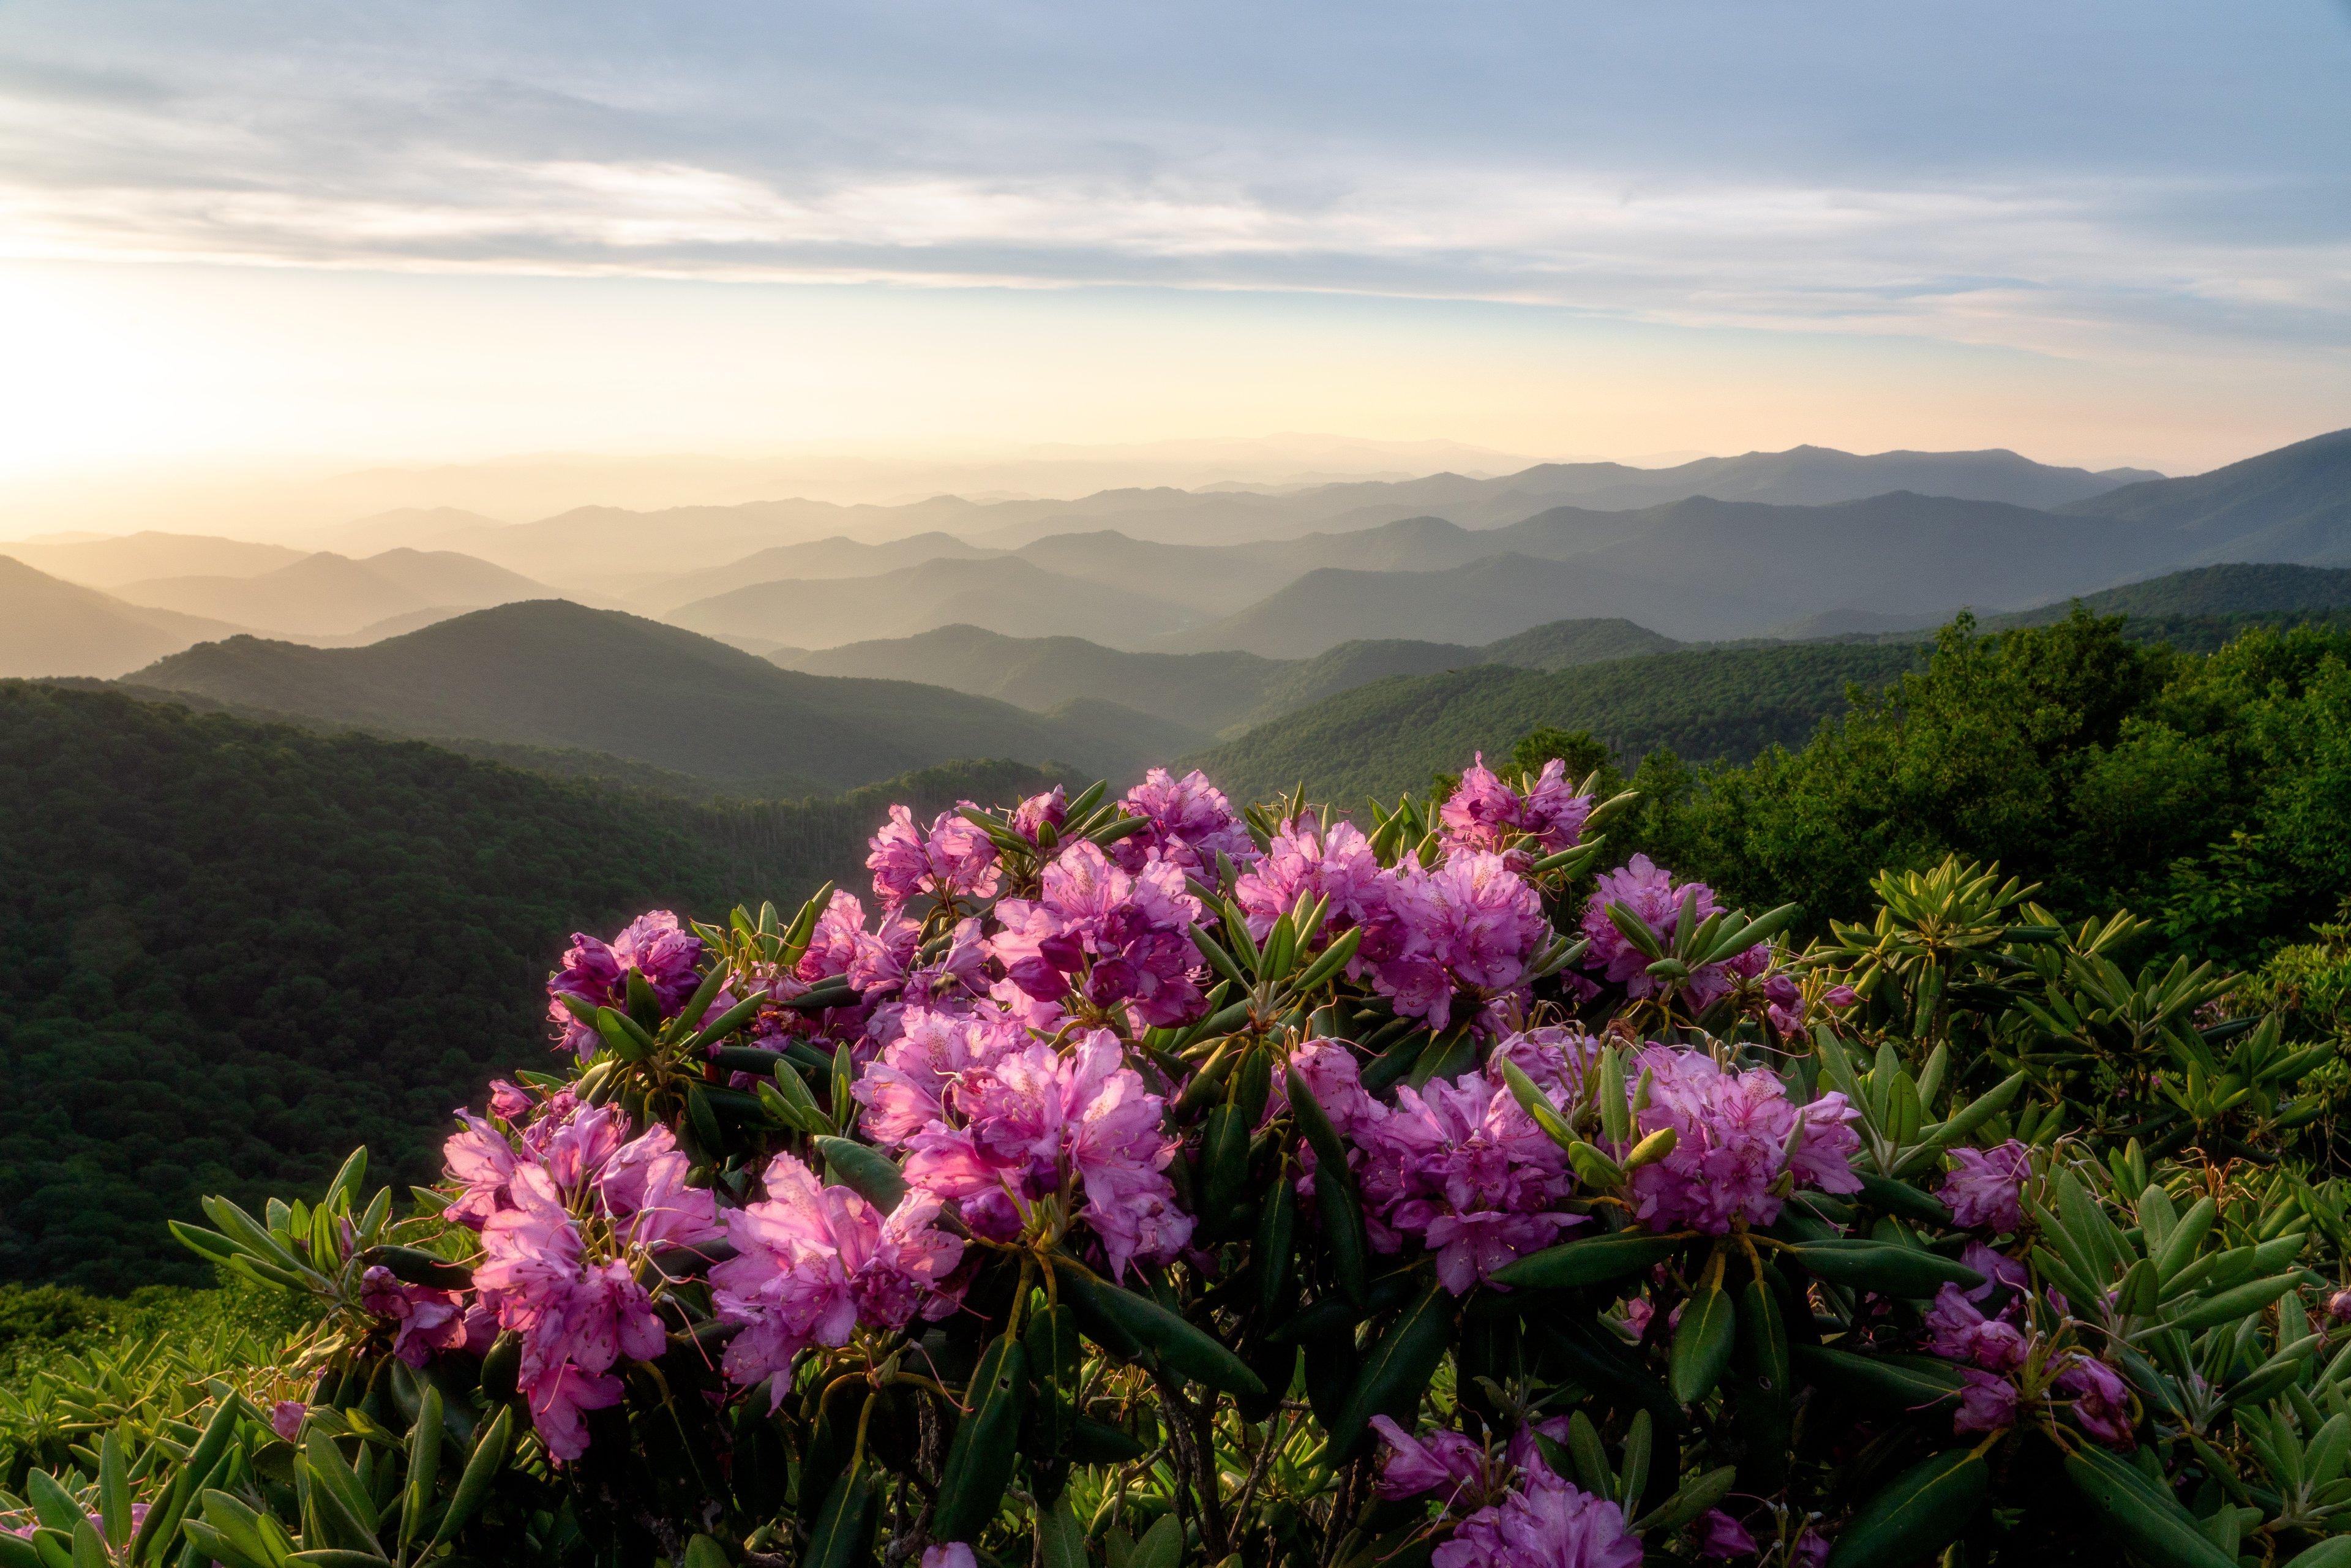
{"x":1138,"y":1181}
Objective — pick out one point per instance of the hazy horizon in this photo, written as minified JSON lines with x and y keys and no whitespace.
{"x":240,"y":258}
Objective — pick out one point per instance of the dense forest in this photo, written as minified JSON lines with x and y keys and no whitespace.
{"x":2211,"y":793}
{"x":1710,"y":703}
{"x":232,"y":951}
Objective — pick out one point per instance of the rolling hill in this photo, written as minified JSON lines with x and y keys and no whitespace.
{"x":2236,"y":589}
{"x":552,"y":673}
{"x":331,"y":595}
{"x":839,"y":556}
{"x":1214,"y":692}
{"x":236,"y":950}
{"x":1704,"y":703}
{"x":50,"y":627}
{"x":2291,"y":505}
{"x":111,"y":562}
{"x":999,"y":594}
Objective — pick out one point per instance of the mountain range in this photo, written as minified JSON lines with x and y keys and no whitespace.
{"x":330,"y":595}
{"x":552,"y":673}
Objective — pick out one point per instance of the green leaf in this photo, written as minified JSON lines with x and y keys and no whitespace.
{"x":2335,"y":1553}
{"x":1699,"y":1494}
{"x":1054,"y":1358}
{"x":417,"y":1267}
{"x":2231,"y":1305}
{"x":1094,"y":1442}
{"x":1535,"y":1102}
{"x":1702,"y":1344}
{"x":1916,"y":1514}
{"x":1894,"y":1384}
{"x":113,"y":1489}
{"x":1397,"y":1369}
{"x":843,"y":1534}
{"x":1060,"y":1538}
{"x":1899,"y":1198}
{"x":1276,"y":1236}
{"x":1594,"y":1261}
{"x":867,"y":1171}
{"x":1883,"y":1267}
{"x":482,"y":1468}
{"x":1162,"y":1545}
{"x":702,"y":1551}
{"x":1182,"y":1348}
{"x":1335,"y":1203}
{"x":424,"y":1464}
{"x":979,"y":1461}
{"x":2146,"y":1520}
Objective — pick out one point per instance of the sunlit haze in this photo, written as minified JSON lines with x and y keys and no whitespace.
{"x":235,"y":250}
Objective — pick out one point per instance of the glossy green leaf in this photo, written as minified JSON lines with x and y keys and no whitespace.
{"x":1396,"y":1369}
{"x":1594,"y":1260}
{"x":1182,"y":1348}
{"x":1916,"y":1514}
{"x":979,"y":1461}
{"x":1702,"y":1344}
{"x":867,"y":1171}
{"x":1882,"y":1267}
{"x":2149,"y":1522}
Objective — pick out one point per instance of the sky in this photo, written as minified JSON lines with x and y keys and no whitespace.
{"x":283,"y":231}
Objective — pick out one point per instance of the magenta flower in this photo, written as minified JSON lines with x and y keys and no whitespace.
{"x":1039,"y":812}
{"x":2338,"y":1306}
{"x":950,"y":1554}
{"x":812,"y":1261}
{"x":1734,"y":1133}
{"x":1191,"y":821}
{"x":1032,"y":1123}
{"x":1113,"y":936}
{"x":1720,"y":1535}
{"x":1958,"y":1332}
{"x":597,"y":972}
{"x":1487,"y":815}
{"x":905,"y":1088}
{"x":1469,"y":924}
{"x":1549,"y":1523}
{"x":1649,"y":893}
{"x":1462,"y":1168}
{"x":286,"y":1418}
{"x":2102,"y":1401}
{"x":429,"y":1320}
{"x":1987,"y":1402}
{"x":953,"y":862}
{"x":1445,"y":1461}
{"x":1306,"y":863}
{"x":1985,"y":1189}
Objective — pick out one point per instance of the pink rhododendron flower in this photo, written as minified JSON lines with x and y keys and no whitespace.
{"x":1461,"y":1167}
{"x":1114,"y":936}
{"x":1031,"y":1122}
{"x":1988,"y":1403}
{"x":1732,"y":1133}
{"x":1549,"y":1523}
{"x":949,"y":1555}
{"x":1471,"y":923}
{"x":952,"y":861}
{"x":1191,"y":822}
{"x":1720,"y":1535}
{"x":812,"y":1261}
{"x":1996,"y":1270}
{"x":1486,"y":814}
{"x":1039,"y":812}
{"x":429,"y":1320}
{"x":2101,"y":1400}
{"x":286,"y":1418}
{"x":2338,"y":1306}
{"x":1306,"y":862}
{"x":1958,"y":1332}
{"x":1652,"y":895}
{"x":597,"y":972}
{"x":1445,"y":1461}
{"x":1985,"y":1189}
{"x":510,"y":1102}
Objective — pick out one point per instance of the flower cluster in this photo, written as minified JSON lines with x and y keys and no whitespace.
{"x":1189,"y":823}
{"x":814,"y":1262}
{"x":597,"y":972}
{"x":2007,"y":1365}
{"x":1113,"y":937}
{"x":1985,"y":1189}
{"x":998,"y":1122}
{"x":1462,"y":1169}
{"x":567,"y":1210}
{"x":1734,"y":1133}
{"x":1486,"y":814}
{"x":1651,"y":894}
{"x":1513,"y":1512}
{"x":953,"y":862}
{"x":1470,"y":922}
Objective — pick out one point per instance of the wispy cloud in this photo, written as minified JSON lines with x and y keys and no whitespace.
{"x":1835,"y":170}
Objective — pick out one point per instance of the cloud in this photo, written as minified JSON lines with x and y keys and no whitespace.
{"x":1829,"y":173}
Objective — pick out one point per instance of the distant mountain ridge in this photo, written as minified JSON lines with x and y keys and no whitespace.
{"x":51,"y":627}
{"x":1212,"y":691}
{"x":553,"y":674}
{"x":326,"y":594}
{"x":1002,"y":593}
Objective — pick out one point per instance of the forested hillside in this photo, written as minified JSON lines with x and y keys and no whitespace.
{"x":230,"y":951}
{"x":1709,"y":704}
{"x":2211,"y":793}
